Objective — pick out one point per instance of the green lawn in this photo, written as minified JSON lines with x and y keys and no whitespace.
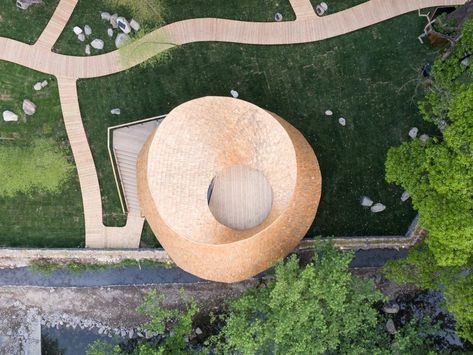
{"x":40,"y":220}
{"x":87,"y":12}
{"x":368,"y":77}
{"x":338,"y":5}
{"x":25,"y":26}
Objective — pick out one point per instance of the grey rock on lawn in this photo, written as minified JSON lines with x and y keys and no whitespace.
{"x":413,"y":132}
{"x":390,"y":327}
{"x":37,"y":86}
{"x":113,"y":20}
{"x":121,"y":39}
{"x":405,"y":196}
{"x":44,"y":83}
{"x":115,"y":111}
{"x":77,"y":30}
{"x":97,"y":44}
{"x":87,"y":30}
{"x":87,"y":49}
{"x":391,"y":308}
{"x":342,"y":121}
{"x":9,"y":116}
{"x":328,"y":113}
{"x":198,"y":331}
{"x":29,"y":107}
{"x":105,"y":16}
{"x":366,"y":201}
{"x":135,"y":25}
{"x":234,"y":93}
{"x":110,"y":32}
{"x":378,"y":207}
{"x":424,"y":137}
{"x":81,"y":37}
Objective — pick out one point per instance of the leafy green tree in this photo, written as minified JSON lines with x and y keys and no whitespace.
{"x":317,"y":309}
{"x":41,"y":166}
{"x":439,"y":174}
{"x":455,"y":282}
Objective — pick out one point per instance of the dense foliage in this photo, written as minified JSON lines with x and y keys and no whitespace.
{"x":438,"y":174}
{"x":39,"y":167}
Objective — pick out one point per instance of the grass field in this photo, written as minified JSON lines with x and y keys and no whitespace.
{"x":168,"y":11}
{"x":25,"y":26}
{"x":40,"y":220}
{"x":368,"y":77}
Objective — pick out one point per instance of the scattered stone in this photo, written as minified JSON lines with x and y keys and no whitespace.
{"x":97,"y":44}
{"x":465,"y":61}
{"x":37,"y":86}
{"x":105,"y":16}
{"x":9,"y":116}
{"x":390,"y":327}
{"x":198,"y":331}
{"x":342,"y":121}
{"x":44,"y":83}
{"x":424,"y":137}
{"x":121,"y":40}
{"x":405,"y":196}
{"x":366,"y":201}
{"x":321,"y":8}
{"x":378,"y":207}
{"x":391,"y":308}
{"x":328,"y":113}
{"x":278,"y":17}
{"x":442,"y":125}
{"x":413,"y":132}
{"x":81,"y":37}
{"x":123,"y":25}
{"x":110,"y":32}
{"x":25,"y":4}
{"x":87,"y":49}
{"x":115,"y":111}
{"x":77,"y":30}
{"x":87,"y":30}
{"x":29,"y":108}
{"x":234,"y":94}
{"x":113,"y":20}
{"x":135,"y":25}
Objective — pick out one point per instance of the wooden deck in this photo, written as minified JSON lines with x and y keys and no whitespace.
{"x":307,"y":28}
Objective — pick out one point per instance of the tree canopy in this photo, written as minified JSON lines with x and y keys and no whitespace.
{"x":438,"y":174}
{"x":41,"y":166}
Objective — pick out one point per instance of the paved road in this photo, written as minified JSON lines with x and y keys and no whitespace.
{"x":133,"y":275}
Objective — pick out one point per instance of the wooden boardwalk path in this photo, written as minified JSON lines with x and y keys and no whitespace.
{"x":307,"y":28}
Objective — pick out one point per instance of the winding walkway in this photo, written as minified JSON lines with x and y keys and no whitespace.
{"x":307,"y":28}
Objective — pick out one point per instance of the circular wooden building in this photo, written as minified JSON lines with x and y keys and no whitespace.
{"x":227,"y":187}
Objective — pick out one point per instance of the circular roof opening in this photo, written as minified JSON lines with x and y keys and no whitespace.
{"x":240,"y":197}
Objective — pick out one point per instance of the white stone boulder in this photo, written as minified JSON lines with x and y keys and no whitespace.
{"x":9,"y":116}
{"x":77,"y":30}
{"x":81,"y":37}
{"x":123,"y":25}
{"x":87,"y":49}
{"x":87,"y":30}
{"x":234,"y":93}
{"x":424,"y":137}
{"x":44,"y":83}
{"x":405,"y":196}
{"x":135,"y":25}
{"x":328,"y":113}
{"x":378,"y":207}
{"x":121,"y":40}
{"x":342,"y":121}
{"x":110,"y":32}
{"x":113,"y":20}
{"x":366,"y":201}
{"x":105,"y":16}
{"x":29,"y":108}
{"x":390,"y":327}
{"x":37,"y":86}
{"x":97,"y":43}
{"x":198,"y":331}
{"x":413,"y":132}
{"x":115,"y":111}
